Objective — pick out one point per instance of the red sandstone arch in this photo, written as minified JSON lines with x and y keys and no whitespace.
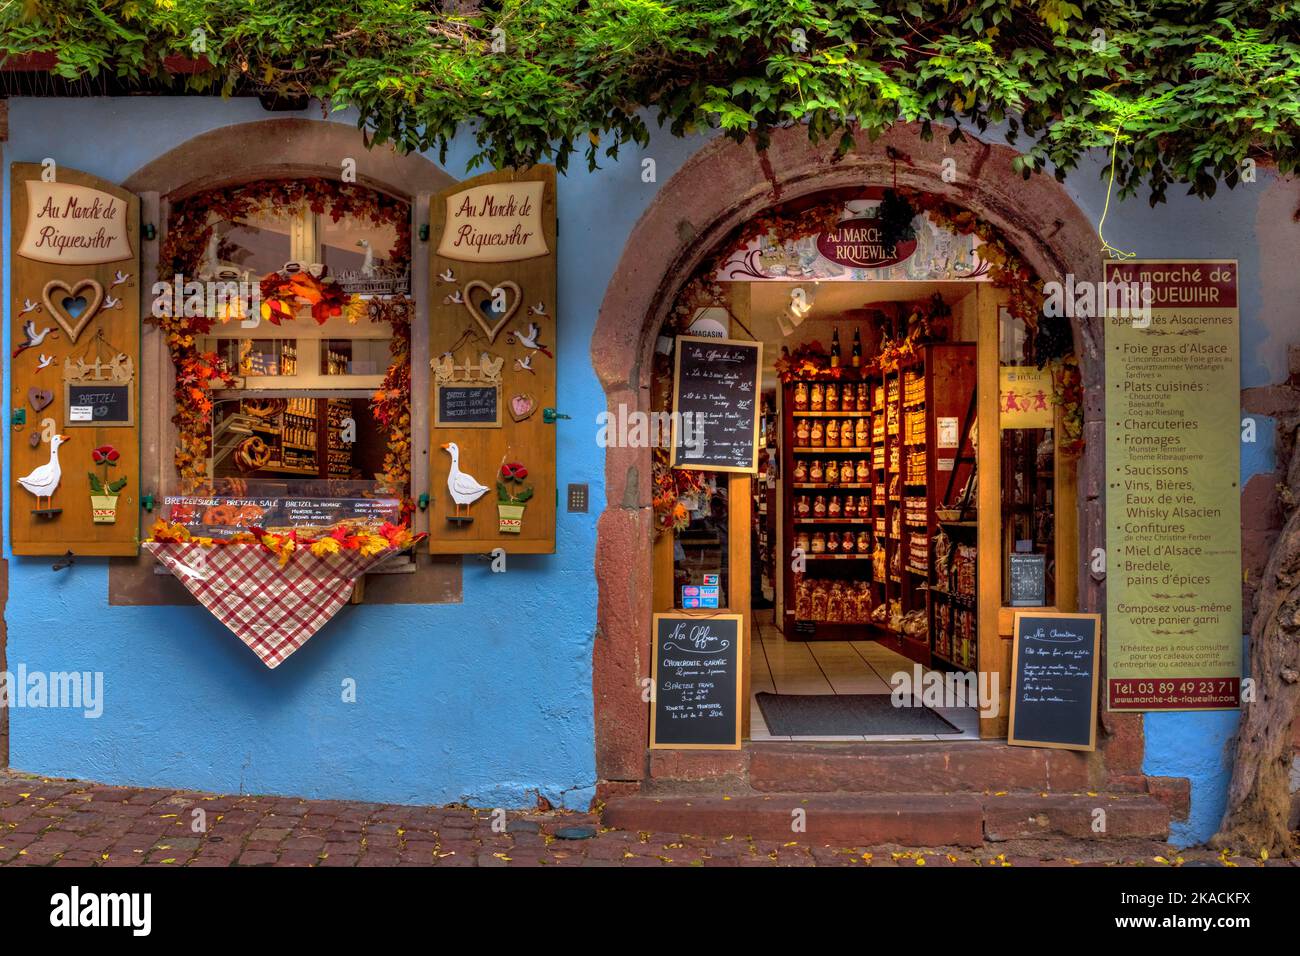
{"x":716,"y":191}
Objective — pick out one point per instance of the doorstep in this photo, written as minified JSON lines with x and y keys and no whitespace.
{"x":902,"y":819}
{"x":966,"y":793}
{"x":880,"y":767}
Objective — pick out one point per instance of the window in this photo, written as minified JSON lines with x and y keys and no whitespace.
{"x":300,"y":406}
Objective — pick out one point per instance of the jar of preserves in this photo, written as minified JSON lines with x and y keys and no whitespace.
{"x":815,"y":472}
{"x":816,"y":434}
{"x":832,"y":471}
{"x":819,"y":507}
{"x":863,"y":470}
{"x":847,"y":433}
{"x":862,"y":433}
{"x":817,"y":398}
{"x":833,"y":542}
{"x":833,"y":507}
{"x":832,"y":433}
{"x":800,"y":470}
{"x":801,"y":432}
{"x":802,"y":507}
{"x":801,"y":396}
{"x":864,"y":542}
{"x":818,"y":543}
{"x":831,"y":398}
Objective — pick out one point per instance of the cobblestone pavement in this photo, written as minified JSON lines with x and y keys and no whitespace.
{"x":49,"y":822}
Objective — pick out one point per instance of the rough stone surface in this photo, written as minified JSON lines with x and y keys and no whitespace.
{"x":48,"y":822}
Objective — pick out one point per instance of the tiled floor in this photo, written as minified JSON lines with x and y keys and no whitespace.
{"x":835,"y":667}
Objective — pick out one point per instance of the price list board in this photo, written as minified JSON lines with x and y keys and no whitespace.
{"x":1173,"y":496}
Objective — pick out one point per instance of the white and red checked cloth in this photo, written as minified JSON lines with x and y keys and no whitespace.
{"x":273,"y":610}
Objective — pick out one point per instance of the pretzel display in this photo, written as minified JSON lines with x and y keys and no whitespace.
{"x":260,"y":407}
{"x":224,"y":515}
{"x":252,"y":453}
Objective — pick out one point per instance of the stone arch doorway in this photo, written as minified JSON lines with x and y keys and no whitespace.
{"x":719,"y":189}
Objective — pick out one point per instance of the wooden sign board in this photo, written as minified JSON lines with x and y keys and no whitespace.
{"x":493,"y":290}
{"x":1055,"y":668}
{"x":697,"y":682}
{"x":75,"y":284}
{"x":716,"y":386}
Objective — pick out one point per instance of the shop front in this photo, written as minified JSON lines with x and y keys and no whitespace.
{"x":418,"y":523}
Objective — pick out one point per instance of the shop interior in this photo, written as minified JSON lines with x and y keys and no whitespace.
{"x":863,"y":522}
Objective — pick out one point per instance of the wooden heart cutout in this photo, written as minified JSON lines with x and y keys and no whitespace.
{"x":73,"y":312}
{"x":522,"y":405}
{"x":39,"y":398}
{"x":472,"y":306}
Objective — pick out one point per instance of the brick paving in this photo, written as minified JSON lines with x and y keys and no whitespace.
{"x":50,"y":822}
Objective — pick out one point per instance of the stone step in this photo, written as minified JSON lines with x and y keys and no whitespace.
{"x":968,"y":767}
{"x":905,"y":819}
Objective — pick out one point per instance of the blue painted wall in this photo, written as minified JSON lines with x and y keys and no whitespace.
{"x":488,"y":701}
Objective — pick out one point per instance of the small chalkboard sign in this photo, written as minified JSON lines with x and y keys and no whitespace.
{"x":697,"y":686}
{"x":1028,"y":579}
{"x":97,"y":405}
{"x":464,"y":405}
{"x":1054,"y":661}
{"x":716,"y":387}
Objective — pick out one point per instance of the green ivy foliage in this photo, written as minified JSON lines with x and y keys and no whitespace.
{"x":1184,"y":91}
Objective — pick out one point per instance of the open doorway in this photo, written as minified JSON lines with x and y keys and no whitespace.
{"x":873,"y":570}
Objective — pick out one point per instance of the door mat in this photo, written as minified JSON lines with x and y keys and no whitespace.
{"x":846,"y":715}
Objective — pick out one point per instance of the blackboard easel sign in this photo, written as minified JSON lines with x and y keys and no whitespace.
{"x":696,"y":681}
{"x":467,"y":405}
{"x":1054,"y":674}
{"x":717,"y":382}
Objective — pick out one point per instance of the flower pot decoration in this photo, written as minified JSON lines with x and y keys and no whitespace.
{"x":512,"y":496}
{"x":103,"y":493}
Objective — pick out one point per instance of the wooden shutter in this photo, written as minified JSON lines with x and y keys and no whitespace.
{"x":75,"y":279}
{"x":493,"y":240}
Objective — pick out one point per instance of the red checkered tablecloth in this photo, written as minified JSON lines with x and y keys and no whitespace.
{"x":273,"y":610}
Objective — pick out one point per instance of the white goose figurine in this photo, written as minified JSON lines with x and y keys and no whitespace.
{"x":45,"y":478}
{"x":465,"y":489}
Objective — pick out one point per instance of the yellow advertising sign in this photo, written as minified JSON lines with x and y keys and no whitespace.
{"x":1173,"y":496}
{"x":1024,"y":397}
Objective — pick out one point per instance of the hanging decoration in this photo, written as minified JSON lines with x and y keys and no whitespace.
{"x":284,"y":292}
{"x":72,"y":310}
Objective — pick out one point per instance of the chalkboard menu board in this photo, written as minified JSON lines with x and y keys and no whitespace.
{"x":1054,"y":676}
{"x":697,"y":684}
{"x":715,"y":404}
{"x":1028,"y":580}
{"x":96,"y":404}
{"x":468,"y":406}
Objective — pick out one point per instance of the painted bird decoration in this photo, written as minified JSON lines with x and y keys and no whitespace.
{"x":31,"y":338}
{"x":465,"y":489}
{"x":529,"y":340}
{"x":44,"y":479}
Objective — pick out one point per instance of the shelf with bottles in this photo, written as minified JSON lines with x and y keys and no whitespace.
{"x":846,"y":544}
